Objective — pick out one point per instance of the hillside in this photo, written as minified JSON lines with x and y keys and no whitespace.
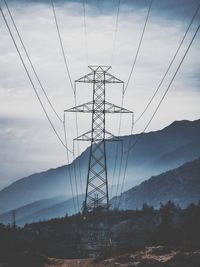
{"x":178,"y":143}
{"x":169,"y":236}
{"x":23,"y":213}
{"x":181,"y":186}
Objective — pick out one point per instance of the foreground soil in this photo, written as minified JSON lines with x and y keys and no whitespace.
{"x":149,"y":257}
{"x":71,"y":263}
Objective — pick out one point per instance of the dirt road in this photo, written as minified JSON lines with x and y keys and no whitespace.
{"x":72,"y":263}
{"x":150,"y":256}
{"x":81,"y":263}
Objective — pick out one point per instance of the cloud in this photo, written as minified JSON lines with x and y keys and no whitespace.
{"x":28,"y":144}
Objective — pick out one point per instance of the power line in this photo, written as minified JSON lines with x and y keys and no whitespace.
{"x":65,"y":145}
{"x":39,"y":82}
{"x":69,"y":166}
{"x":85,"y":30}
{"x":140,"y":42}
{"x":78,"y":147}
{"x":115,"y":166}
{"x":75,"y":178}
{"x":124,"y":90}
{"x":30,"y":61}
{"x":117,"y":149}
{"x":115,"y":32}
{"x":169,"y":67}
{"x":120,"y":168}
{"x":130,"y":147}
{"x":31,"y":81}
{"x":74,"y":169}
{"x":61,"y":45}
{"x":69,"y":76}
{"x":169,"y":83}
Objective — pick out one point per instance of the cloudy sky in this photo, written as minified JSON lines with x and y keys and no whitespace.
{"x":27,"y":142}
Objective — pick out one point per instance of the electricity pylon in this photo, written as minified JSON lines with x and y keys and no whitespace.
{"x":96,"y":197}
{"x":97,"y":182}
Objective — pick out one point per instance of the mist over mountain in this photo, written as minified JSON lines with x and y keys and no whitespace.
{"x":155,"y":153}
{"x":31,"y":209}
{"x":181,"y":186}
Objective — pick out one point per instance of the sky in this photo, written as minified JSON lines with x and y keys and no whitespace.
{"x":27,"y":141}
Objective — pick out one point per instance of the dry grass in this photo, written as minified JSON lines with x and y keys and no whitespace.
{"x":149,"y":257}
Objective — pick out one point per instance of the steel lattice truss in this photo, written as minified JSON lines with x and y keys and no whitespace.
{"x":97,"y":180}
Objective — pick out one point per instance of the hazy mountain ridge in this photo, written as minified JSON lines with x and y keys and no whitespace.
{"x":181,"y":186}
{"x":28,"y":210}
{"x":48,"y":184}
{"x":57,"y":210}
{"x":186,"y":151}
{"x":147,"y":159}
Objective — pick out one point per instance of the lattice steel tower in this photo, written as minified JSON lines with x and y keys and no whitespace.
{"x":97,"y":181}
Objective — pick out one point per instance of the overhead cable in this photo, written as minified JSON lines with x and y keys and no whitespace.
{"x":117,"y":150}
{"x":139,"y":46}
{"x":124,"y":89}
{"x":127,"y":84}
{"x":69,"y":76}
{"x":30,"y":61}
{"x":115,"y":32}
{"x":85,"y":30}
{"x":61,"y":45}
{"x":69,"y":170}
{"x":31,"y":81}
{"x":169,"y":67}
{"x":131,"y":146}
{"x":78,"y":147}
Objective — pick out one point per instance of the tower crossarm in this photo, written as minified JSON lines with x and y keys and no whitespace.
{"x":112,"y":108}
{"x":107,"y":78}
{"x":97,"y":137}
{"x":88,"y":108}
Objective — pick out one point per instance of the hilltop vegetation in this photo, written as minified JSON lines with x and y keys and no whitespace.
{"x":132,"y":231}
{"x":180,"y":185}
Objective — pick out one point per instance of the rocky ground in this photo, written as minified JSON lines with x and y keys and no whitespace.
{"x":149,"y":257}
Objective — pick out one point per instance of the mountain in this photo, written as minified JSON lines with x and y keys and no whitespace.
{"x":30,"y":209}
{"x":181,"y":186}
{"x":60,"y":209}
{"x":184,"y":153}
{"x":155,"y":152}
